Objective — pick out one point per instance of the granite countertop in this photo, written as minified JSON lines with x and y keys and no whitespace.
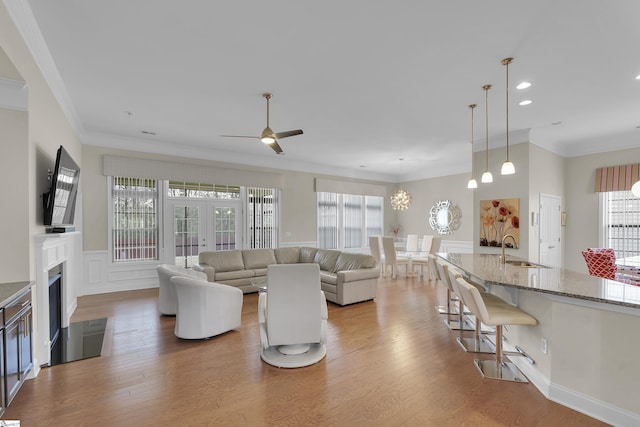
{"x":9,"y":290}
{"x":550,"y":280}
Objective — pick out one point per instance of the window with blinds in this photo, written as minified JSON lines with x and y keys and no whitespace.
{"x":198,"y":190}
{"x":622,"y":223}
{"x":345,"y":221}
{"x":135,"y":219}
{"x":262,"y":217}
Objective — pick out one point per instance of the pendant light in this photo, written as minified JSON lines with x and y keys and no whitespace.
{"x":487,"y":177}
{"x":507,"y":167}
{"x":472,"y":181}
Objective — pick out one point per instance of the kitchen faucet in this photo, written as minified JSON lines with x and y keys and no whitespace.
{"x":514,"y":243}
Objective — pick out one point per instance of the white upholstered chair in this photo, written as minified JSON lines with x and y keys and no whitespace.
{"x":293,"y":316}
{"x":205,"y":309}
{"x":391,"y":259}
{"x":422,"y":261}
{"x":374,"y":246}
{"x":412,"y":242}
{"x":167,"y":300}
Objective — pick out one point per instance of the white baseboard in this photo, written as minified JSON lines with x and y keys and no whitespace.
{"x":577,"y":401}
{"x":595,"y":408}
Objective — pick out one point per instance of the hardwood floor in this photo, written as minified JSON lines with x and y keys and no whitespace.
{"x":389,"y":362}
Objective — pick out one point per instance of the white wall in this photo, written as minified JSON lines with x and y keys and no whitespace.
{"x":47,"y":128}
{"x":546,"y":176}
{"x":582,"y":203}
{"x":425,"y":193}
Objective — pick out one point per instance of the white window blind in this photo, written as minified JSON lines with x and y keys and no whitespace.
{"x":622,"y":223}
{"x":135,"y":219}
{"x":262,"y":218}
{"x":346,"y":221}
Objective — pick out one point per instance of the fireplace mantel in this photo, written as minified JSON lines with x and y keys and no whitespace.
{"x":53,"y":249}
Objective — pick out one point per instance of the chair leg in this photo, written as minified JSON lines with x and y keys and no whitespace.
{"x":500,"y":368}
{"x":459,"y":324}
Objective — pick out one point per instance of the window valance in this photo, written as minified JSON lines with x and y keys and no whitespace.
{"x":349,"y":187}
{"x":158,"y":169}
{"x":617,"y":178}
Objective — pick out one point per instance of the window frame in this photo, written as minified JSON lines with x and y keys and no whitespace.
{"x":340,"y":222}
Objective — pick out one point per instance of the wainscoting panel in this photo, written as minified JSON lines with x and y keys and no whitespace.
{"x":456,"y":246}
{"x":102,"y":276}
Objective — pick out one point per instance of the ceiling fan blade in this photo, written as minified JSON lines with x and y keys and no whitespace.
{"x":240,"y":136}
{"x":289,"y":133}
{"x":275,"y":147}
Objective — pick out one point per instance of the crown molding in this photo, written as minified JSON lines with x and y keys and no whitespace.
{"x":14,"y":94}
{"x":25,"y":22}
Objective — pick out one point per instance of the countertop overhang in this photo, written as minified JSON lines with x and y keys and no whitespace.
{"x":489,"y":269}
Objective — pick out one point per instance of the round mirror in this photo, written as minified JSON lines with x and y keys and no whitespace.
{"x":444,"y":217}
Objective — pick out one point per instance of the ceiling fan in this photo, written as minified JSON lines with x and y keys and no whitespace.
{"x":268,"y":136}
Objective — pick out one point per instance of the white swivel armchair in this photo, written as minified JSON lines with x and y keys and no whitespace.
{"x":293,"y":316}
{"x":205,"y":309}
{"x":167,"y":300}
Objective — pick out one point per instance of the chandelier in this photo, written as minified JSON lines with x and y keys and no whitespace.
{"x":400,"y":200}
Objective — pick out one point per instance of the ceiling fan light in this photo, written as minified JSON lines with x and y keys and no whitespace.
{"x":267,"y":136}
{"x":487,"y":178}
{"x":268,"y":139}
{"x":472,"y":183}
{"x":508,"y":168}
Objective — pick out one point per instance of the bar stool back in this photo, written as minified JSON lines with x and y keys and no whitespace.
{"x":453,"y":324}
{"x":495,"y":312}
{"x":477,"y":344}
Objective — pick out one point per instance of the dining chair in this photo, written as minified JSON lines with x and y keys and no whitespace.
{"x":391,"y":259}
{"x":412,"y":243}
{"x":374,"y":246}
{"x":422,"y":261}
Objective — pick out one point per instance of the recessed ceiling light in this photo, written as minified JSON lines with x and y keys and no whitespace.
{"x":147,"y":132}
{"x":523,"y":85}
{"x":556,"y":123}
{"x":525,"y":102}
{"x":638,"y":77}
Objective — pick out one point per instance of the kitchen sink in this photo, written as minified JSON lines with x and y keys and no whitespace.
{"x":524,"y":264}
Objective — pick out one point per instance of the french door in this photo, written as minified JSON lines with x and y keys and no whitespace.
{"x":202,"y":225}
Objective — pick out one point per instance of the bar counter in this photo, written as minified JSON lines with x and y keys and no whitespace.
{"x":488,"y":269}
{"x":585,"y":345}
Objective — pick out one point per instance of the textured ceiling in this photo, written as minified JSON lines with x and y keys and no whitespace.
{"x":369,"y":82}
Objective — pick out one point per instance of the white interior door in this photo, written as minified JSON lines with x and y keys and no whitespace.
{"x":199,"y":225}
{"x":550,"y":231}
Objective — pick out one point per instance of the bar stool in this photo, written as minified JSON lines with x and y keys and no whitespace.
{"x":477,"y":344}
{"x":442,"y":309}
{"x":453,"y":324}
{"x":495,"y":313}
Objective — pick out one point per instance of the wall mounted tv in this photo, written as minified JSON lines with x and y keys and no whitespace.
{"x":60,"y":201}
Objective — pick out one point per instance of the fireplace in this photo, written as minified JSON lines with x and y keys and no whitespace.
{"x":55,"y":312}
{"x":55,"y":254}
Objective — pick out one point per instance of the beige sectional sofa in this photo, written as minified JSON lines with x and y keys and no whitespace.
{"x":346,"y":277}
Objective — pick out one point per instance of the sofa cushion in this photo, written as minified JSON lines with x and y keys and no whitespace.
{"x":230,"y":275}
{"x":258,"y":258}
{"x":223,"y":260}
{"x":307,"y":254}
{"x":348,"y":261}
{"x":287,"y":255}
{"x":326,"y":259}
{"x":326,"y":277}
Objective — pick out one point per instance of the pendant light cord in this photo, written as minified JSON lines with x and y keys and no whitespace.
{"x":486,"y":115}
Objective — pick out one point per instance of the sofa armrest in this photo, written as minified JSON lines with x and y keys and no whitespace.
{"x":206,"y":269}
{"x":359,"y":274}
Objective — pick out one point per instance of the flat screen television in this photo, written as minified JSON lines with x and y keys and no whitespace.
{"x":60,"y":201}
